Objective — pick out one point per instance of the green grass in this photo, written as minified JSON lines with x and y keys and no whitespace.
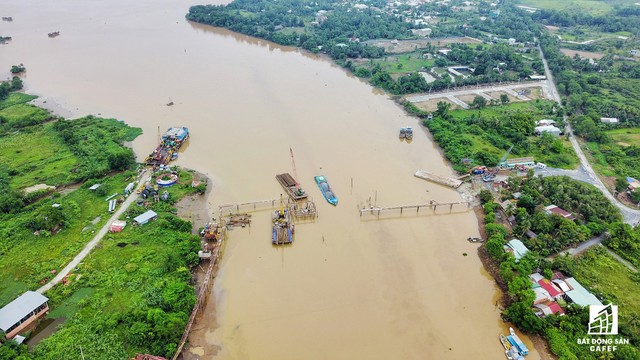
{"x":608,"y":278}
{"x":20,"y":115}
{"x":628,"y":136}
{"x":37,"y":156}
{"x":16,"y":98}
{"x":404,"y":63}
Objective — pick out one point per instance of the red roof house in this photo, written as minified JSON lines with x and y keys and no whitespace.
{"x":551,"y":288}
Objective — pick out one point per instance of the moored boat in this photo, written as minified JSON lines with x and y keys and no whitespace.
{"x":505,"y":342}
{"x":167,"y":150}
{"x":282,"y":233}
{"x":326,"y":190}
{"x":522,"y":348}
{"x":406,"y":133}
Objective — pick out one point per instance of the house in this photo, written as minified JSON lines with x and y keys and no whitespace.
{"x":117,"y":226}
{"x":633,"y":184}
{"x":426,"y":32}
{"x":537,"y":77}
{"x":549,"y":308}
{"x":145,"y":218}
{"x":500,"y":181}
{"x":95,"y":187}
{"x":561,"y":284}
{"x":552,"y":209}
{"x":609,"y":120}
{"x":518,"y":163}
{"x":19,"y":314}
{"x":538,"y":130}
{"x":554,"y":291}
{"x":545,"y":122}
{"x":579,"y":295}
{"x":517,"y":248}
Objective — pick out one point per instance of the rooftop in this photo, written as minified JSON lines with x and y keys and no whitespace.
{"x":19,"y":308}
{"x":579,"y":294}
{"x":145,"y":217}
{"x":519,"y":250}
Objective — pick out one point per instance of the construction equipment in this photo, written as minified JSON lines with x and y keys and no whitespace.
{"x":504,"y":157}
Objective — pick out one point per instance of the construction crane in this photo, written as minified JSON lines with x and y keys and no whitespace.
{"x":504,"y":157}
{"x":293,"y":165}
{"x":298,"y":190}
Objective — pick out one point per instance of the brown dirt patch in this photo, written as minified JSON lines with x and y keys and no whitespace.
{"x":468,"y":98}
{"x":432,"y":105}
{"x":552,"y":28}
{"x":582,"y":54}
{"x":402,"y":46}
{"x":534,"y":93}
{"x":496,"y":95}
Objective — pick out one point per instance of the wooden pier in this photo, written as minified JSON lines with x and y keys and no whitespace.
{"x":248,"y":206}
{"x":451,"y":182}
{"x":431,"y":205}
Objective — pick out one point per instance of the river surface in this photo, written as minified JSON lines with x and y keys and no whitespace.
{"x":350,"y":287}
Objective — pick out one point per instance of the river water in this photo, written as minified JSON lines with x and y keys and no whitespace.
{"x":350,"y":287}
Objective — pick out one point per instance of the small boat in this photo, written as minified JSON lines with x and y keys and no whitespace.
{"x":406,"y":133}
{"x":505,"y":342}
{"x":522,"y":348}
{"x":326,"y":190}
{"x":54,"y":34}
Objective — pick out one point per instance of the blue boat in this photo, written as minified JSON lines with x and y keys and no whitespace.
{"x":326,"y":190}
{"x":515,"y":341}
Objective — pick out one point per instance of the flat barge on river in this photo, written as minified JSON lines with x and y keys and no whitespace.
{"x":167,"y":150}
{"x":291,"y":186}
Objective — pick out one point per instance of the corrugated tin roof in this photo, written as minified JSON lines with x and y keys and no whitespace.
{"x":145,"y":217}
{"x":579,"y":294}
{"x":536,"y":277}
{"x":550,"y":287}
{"x":519,"y":250}
{"x":19,"y":308}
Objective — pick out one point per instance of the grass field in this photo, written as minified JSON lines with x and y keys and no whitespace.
{"x":16,"y":98}
{"x":37,"y":156}
{"x":626,"y":136}
{"x":592,"y":6}
{"x":610,"y":279}
{"x":404,"y":63}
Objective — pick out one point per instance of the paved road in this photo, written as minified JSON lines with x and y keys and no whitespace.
{"x":473,"y":90}
{"x":595,"y":241}
{"x":579,"y":174}
{"x":630,"y":216}
{"x":96,"y":239}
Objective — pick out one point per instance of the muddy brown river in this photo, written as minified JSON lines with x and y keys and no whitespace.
{"x":350,"y":287}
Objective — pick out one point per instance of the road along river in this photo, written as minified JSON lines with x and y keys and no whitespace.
{"x":349,"y":287}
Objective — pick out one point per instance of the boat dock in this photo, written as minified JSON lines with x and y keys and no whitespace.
{"x":291,"y":186}
{"x":431,"y":205}
{"x":451,"y":182}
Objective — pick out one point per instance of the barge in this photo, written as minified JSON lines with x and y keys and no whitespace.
{"x":282,"y":233}
{"x":167,"y":150}
{"x":326,"y":190}
{"x":291,"y":186}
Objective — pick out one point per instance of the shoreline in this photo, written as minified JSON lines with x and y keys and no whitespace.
{"x":195,"y":208}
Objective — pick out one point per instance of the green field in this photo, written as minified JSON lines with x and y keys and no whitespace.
{"x":404,"y":63}
{"x":592,"y":6}
{"x":35,"y":157}
{"x":610,"y":279}
{"x":625,"y":136}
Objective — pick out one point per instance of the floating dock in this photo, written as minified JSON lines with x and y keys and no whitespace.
{"x":291,"y":186}
{"x":431,"y":205}
{"x":454,"y":183}
{"x":282,"y":227}
{"x":167,"y":150}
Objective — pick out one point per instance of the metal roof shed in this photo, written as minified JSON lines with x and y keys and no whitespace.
{"x":145,"y":218}
{"x":23,"y":306}
{"x":580,"y":295}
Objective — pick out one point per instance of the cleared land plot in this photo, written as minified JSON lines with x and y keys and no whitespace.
{"x":582,"y":54}
{"x":432,"y":105}
{"x":604,"y":275}
{"x":591,"y":6}
{"x":35,"y":157}
{"x":403,"y":46}
{"x":468,"y":98}
{"x":534,"y":93}
{"x":626,"y":137}
{"x":496,"y":95}
{"x":401,"y":64}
